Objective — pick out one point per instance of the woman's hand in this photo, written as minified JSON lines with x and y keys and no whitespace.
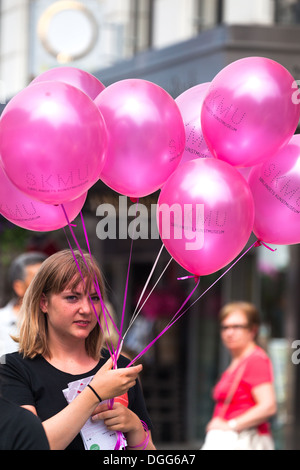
{"x":110,"y":383}
{"x":118,"y":418}
{"x":218,"y":423}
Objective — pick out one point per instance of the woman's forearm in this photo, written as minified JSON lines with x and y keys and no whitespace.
{"x":253,"y":417}
{"x":63,"y":427}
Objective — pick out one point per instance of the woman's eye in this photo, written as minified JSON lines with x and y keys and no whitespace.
{"x":95,"y":298}
{"x":71,"y":298}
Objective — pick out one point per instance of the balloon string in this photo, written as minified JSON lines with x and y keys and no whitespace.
{"x":188,"y":277}
{"x":165,"y":329}
{"x":104,"y":308}
{"x":257,"y":243}
{"x":148,"y":280}
{"x":120,"y":441}
{"x":137,"y":312}
{"x":110,"y":349}
{"x":96,"y":280}
{"x":121,"y":339}
{"x":260,"y":242}
{"x":96,"y":285}
{"x":132,"y":321}
{"x":179,"y":314}
{"x":120,"y":444}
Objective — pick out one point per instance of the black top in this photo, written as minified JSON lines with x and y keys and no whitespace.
{"x":36,"y":382}
{"x":20,"y":429}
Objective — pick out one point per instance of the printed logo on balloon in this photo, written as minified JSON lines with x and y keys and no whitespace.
{"x":53,"y":142}
{"x":275,"y":186}
{"x":190,"y":105}
{"x":31,"y":214}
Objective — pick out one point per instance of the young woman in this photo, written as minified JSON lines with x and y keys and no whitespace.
{"x":60,"y":342}
{"x":244,"y":396}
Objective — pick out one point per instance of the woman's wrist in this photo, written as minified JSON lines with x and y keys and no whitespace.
{"x":95,"y":393}
{"x":141,"y":438}
{"x":90,"y":390}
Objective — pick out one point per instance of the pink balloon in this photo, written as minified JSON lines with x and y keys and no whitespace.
{"x":85,"y":81}
{"x":145,"y":136}
{"x":275,"y":185}
{"x":205,"y":215}
{"x":33,"y":215}
{"x":53,"y":142}
{"x":190,"y":105}
{"x":249,"y":111}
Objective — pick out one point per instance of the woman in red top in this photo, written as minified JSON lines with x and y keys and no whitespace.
{"x":244,"y":396}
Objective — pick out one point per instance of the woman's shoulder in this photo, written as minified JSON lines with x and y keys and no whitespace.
{"x":11,"y":358}
{"x":17,"y":357}
{"x":260,"y":353}
{"x":16,"y":361}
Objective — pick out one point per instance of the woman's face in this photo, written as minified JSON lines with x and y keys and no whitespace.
{"x":70,"y":314}
{"x":235,"y":332}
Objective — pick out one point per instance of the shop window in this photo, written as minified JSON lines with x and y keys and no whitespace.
{"x":287,"y":11}
{"x":208,"y":13}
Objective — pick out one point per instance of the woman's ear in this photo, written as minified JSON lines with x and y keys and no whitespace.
{"x":44,"y":303}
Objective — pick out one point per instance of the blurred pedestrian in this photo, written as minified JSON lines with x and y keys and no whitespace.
{"x":21,"y":272}
{"x":244,"y":396}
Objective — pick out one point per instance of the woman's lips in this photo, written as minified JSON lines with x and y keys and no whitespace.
{"x":82,"y":322}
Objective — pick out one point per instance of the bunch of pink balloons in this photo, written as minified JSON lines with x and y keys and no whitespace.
{"x":239,"y":171}
{"x":216,"y":152}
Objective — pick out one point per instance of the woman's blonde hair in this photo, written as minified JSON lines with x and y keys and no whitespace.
{"x":249,"y":309}
{"x":58,"y":272}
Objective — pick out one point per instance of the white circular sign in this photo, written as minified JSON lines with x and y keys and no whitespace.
{"x":59,"y":29}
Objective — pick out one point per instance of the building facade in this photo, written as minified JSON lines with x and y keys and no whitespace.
{"x":176,"y":44}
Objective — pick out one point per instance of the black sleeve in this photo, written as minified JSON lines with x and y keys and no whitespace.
{"x":20,"y":429}
{"x":28,"y":432}
{"x":15,"y":381}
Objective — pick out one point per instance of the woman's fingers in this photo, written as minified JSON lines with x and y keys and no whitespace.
{"x":108,"y":365}
{"x":110,"y":382}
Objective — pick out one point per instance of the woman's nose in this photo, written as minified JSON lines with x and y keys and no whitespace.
{"x":85,"y":305}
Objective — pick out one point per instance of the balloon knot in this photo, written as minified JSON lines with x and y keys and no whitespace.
{"x":195,"y":277}
{"x":259,"y":243}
